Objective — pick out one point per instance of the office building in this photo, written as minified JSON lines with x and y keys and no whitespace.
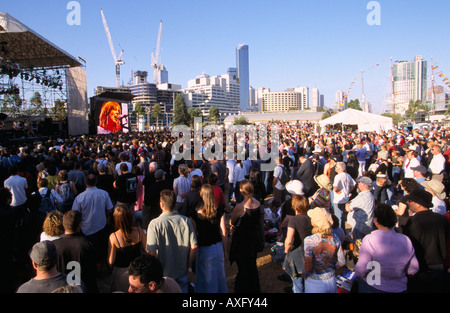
{"x":283,"y":101}
{"x":315,"y":98}
{"x":305,"y":96}
{"x":144,"y":93}
{"x":409,"y":83}
{"x":206,"y":91}
{"x":166,"y":95}
{"x":243,"y":75}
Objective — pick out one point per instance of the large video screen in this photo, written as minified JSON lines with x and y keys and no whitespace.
{"x":111,"y":117}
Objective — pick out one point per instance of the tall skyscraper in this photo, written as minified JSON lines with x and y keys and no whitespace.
{"x":315,"y":98}
{"x":243,"y":74}
{"x":410,"y":83}
{"x":305,"y":96}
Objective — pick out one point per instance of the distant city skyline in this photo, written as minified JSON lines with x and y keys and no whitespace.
{"x":292,"y":42}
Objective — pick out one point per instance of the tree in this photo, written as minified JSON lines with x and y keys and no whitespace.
{"x":326,"y":115}
{"x":59,"y":109}
{"x":354,"y":104}
{"x":180,"y":114}
{"x":37,"y":105}
{"x":12,"y":104}
{"x":396,"y":118}
{"x":156,"y":113}
{"x":414,"y":107}
{"x":139,"y":109}
{"x":214,"y":115}
{"x":193,"y":113}
{"x":241,"y":121}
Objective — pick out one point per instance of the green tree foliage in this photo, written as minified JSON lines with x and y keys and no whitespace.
{"x":414,"y":107}
{"x":156,"y":113}
{"x":12,"y":104}
{"x":180,"y":114}
{"x":240,"y":121}
{"x":193,"y":113}
{"x":59,"y":109}
{"x":326,"y":115}
{"x":396,"y":118}
{"x":354,"y":104}
{"x":214,"y":115}
{"x":37,"y":104}
{"x":139,"y":109}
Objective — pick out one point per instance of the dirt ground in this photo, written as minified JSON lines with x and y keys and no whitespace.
{"x":268,"y":273}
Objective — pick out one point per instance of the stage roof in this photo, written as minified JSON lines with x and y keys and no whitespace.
{"x":29,"y":49}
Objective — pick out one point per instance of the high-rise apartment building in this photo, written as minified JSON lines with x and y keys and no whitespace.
{"x":143,"y":92}
{"x":409,"y":83}
{"x":305,"y":96}
{"x":243,"y":75}
{"x":283,"y":101}
{"x":206,"y":91}
{"x":259,"y":97}
{"x":315,"y":98}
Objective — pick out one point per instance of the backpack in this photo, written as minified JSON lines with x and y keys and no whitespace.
{"x":284,"y":176}
{"x":66,"y":193}
{"x":47,"y":204}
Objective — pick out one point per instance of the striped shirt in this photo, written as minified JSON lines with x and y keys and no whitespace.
{"x":183,"y":185}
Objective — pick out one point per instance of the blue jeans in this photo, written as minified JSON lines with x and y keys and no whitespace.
{"x":210,"y":269}
{"x":297,"y":286}
{"x":183,"y":281}
{"x":341,"y":214}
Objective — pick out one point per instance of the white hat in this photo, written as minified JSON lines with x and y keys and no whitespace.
{"x":436,"y":187}
{"x":295,"y":187}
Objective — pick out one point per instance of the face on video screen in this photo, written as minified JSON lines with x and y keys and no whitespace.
{"x":109,"y":117}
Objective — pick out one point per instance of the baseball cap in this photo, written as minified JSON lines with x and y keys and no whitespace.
{"x":365,"y":180}
{"x":44,"y":253}
{"x":159,"y":173}
{"x":420,"y":168}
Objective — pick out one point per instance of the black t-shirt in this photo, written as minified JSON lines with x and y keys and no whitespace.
{"x":301,"y":223}
{"x":105,"y":182}
{"x":428,"y":233}
{"x":208,"y":232}
{"x":127,"y":184}
{"x":151,"y":207}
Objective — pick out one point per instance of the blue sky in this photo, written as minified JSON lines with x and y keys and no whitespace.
{"x":323,"y":43}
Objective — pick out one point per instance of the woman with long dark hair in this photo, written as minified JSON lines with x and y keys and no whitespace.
{"x":125,"y":244}
{"x":247,"y":229}
{"x":258,"y":184}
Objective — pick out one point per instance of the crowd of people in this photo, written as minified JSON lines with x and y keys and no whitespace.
{"x":124,"y":204}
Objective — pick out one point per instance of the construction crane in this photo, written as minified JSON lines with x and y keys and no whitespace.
{"x":157,"y":67}
{"x":118,"y":60}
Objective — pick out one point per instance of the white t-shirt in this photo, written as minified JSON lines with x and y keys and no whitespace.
{"x":17,"y":186}
{"x":344,"y":182}
{"x":277,"y":173}
{"x":437,"y":164}
{"x":439,"y":206}
{"x":408,"y":165}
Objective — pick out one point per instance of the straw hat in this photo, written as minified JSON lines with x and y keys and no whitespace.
{"x":436,"y":187}
{"x":321,"y":218}
{"x":323,"y":181}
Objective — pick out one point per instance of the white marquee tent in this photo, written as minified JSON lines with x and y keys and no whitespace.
{"x":366,"y":122}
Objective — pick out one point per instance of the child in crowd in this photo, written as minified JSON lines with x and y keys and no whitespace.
{"x":272,"y":220}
